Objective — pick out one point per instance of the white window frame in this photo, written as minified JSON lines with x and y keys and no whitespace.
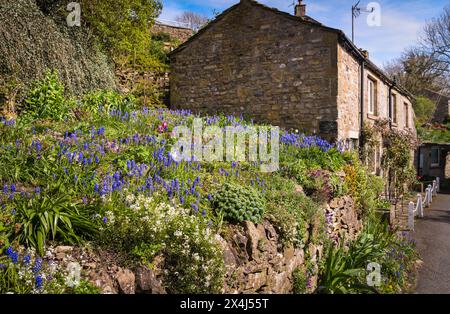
{"x":394,"y":108}
{"x":371,"y":97}
{"x":438,"y":156}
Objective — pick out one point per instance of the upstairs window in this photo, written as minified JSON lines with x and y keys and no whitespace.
{"x":394,"y":108}
{"x":371,"y":96}
{"x":406,"y":107}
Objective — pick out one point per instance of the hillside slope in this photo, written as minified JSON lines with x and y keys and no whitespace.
{"x":33,"y":42}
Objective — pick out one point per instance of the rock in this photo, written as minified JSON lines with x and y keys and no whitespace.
{"x":63,"y":249}
{"x":60,"y":256}
{"x":254,"y":236}
{"x":126,"y":280}
{"x":228,"y":256}
{"x":147,"y":281}
{"x":256,"y":281}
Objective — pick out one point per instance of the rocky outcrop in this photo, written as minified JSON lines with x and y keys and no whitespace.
{"x":255,"y":260}
{"x":33,"y":41}
{"x":343,"y":221}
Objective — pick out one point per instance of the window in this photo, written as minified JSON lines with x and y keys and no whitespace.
{"x":394,"y":108}
{"x":406,"y":115}
{"x":434,"y":157}
{"x":371,"y":96}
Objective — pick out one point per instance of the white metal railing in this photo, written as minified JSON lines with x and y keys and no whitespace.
{"x":422,"y":202}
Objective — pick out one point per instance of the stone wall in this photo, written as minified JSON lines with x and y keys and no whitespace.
{"x":349,"y":95}
{"x":178,"y":33}
{"x":256,"y":62}
{"x":256,"y":261}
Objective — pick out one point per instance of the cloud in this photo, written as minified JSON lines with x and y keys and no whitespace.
{"x":170,"y":11}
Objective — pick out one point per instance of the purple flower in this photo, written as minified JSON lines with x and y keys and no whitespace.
{"x":105,"y":220}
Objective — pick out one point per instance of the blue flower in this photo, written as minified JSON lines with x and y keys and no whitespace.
{"x":39,"y":282}
{"x":105,"y":220}
{"x":37,"y":266}
{"x":27,"y":259}
{"x":12,"y":255}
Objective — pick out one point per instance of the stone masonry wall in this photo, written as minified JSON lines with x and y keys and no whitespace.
{"x":349,"y":90}
{"x":256,"y":62}
{"x":178,"y":33}
{"x":349,"y":94}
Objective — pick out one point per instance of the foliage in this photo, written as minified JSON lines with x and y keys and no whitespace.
{"x":364,"y":188}
{"x":107,"y":102}
{"x":435,"y":133}
{"x":49,"y":217}
{"x":238,"y":203}
{"x":25,"y":273}
{"x":290,"y":211}
{"x":345,"y":268}
{"x":424,"y":109}
{"x":192,"y":256}
{"x":46,"y":100}
{"x":300,"y":281}
{"x":123,"y":27}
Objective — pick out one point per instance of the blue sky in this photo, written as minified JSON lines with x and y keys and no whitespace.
{"x":401,"y":20}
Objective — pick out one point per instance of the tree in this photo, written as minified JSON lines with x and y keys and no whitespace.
{"x":194,"y":20}
{"x":426,"y":66}
{"x":436,"y":40}
{"x":424,"y":109}
{"x":123,"y":26}
{"x":416,"y":70}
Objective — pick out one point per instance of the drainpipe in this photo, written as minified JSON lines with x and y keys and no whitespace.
{"x":361,"y":127}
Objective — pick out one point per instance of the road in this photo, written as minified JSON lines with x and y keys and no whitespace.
{"x":432,"y":235}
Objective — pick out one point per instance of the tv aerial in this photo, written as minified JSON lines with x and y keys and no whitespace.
{"x":356,"y":12}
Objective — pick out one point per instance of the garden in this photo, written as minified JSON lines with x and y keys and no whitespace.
{"x":94,"y":175}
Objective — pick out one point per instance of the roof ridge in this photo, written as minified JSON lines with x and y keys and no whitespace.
{"x":349,"y":44}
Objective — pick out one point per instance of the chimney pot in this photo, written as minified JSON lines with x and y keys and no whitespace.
{"x":300,"y":9}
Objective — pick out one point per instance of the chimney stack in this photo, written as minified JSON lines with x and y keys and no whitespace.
{"x":300,"y":9}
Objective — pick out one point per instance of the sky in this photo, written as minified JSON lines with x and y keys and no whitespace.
{"x":400,"y":25}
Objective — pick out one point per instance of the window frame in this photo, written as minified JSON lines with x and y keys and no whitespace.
{"x":435,"y":165}
{"x":394,"y":112}
{"x":371,"y":96}
{"x":406,"y":108}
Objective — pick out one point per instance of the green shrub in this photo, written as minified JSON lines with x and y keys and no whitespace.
{"x":300,"y":281}
{"x":47,"y":217}
{"x":145,"y":228}
{"x":107,"y":101}
{"x":237,"y":203}
{"x":193,"y":258}
{"x":46,"y":100}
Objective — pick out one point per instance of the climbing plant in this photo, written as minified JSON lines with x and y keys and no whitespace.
{"x":396,"y":161}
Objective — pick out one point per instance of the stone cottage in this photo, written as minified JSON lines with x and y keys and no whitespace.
{"x":288,"y":70}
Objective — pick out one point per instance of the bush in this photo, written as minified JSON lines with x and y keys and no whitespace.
{"x":46,"y":217}
{"x":145,"y":228}
{"x":237,"y":203}
{"x":108,"y":101}
{"x":46,"y":100}
{"x":364,"y":188}
{"x":424,"y":109}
